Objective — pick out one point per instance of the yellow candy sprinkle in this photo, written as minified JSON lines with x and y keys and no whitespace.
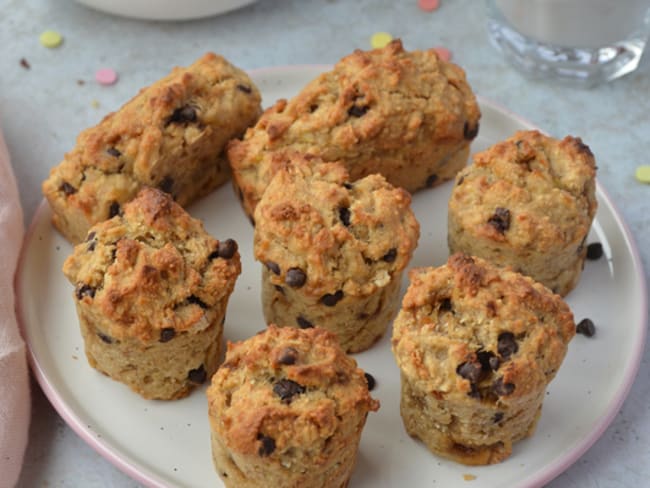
{"x":643,"y":174}
{"x":51,"y":39}
{"x":95,"y":104}
{"x":380,"y":39}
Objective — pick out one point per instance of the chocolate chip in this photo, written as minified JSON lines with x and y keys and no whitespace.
{"x":279,"y":289}
{"x":182,"y":115}
{"x":506,"y":345}
{"x":303,"y":323}
{"x":198,"y":375}
{"x":312,"y":108}
{"x":494,"y":363}
{"x":84,"y":290}
{"x":330,"y":299}
{"x":500,"y":220}
{"x":344,"y":215}
{"x":166,"y":184}
{"x":501,"y":388}
{"x":91,"y":235}
{"x":586,"y":327}
{"x":390,"y":256}
{"x":227,"y":249}
{"x":498,"y":417}
{"x":113,"y":210}
{"x":245,"y":89}
{"x":358,"y":110}
{"x":288,"y":356}
{"x":67,"y":188}
{"x":460,"y":181}
{"x":167,"y":334}
{"x":470,"y":370}
{"x":594,"y":251}
{"x":488,"y":360}
{"x":431,"y":180}
{"x":287,"y":389}
{"x":113,"y":151}
{"x":197,"y":301}
{"x":295,"y":277}
{"x":267,"y":445}
{"x":105,"y":338}
{"x":348,"y":186}
{"x":91,"y":246}
{"x":24,"y":63}
{"x":445,"y":305}
{"x":370,"y":379}
{"x":470,"y":131}
{"x":474,"y":391}
{"x":273,"y":267}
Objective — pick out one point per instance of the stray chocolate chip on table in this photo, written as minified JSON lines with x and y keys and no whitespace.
{"x":594,"y":251}
{"x":586,"y":327}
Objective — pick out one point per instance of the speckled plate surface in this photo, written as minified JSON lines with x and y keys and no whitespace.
{"x":167,"y":443}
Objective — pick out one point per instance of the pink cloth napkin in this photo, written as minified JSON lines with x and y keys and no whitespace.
{"x":14,"y":380}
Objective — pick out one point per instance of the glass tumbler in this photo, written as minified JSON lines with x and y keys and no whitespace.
{"x":585,"y":42}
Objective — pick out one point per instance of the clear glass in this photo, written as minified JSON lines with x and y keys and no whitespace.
{"x":583,"y":42}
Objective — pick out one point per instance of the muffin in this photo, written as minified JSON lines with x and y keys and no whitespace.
{"x":286,"y":409}
{"x":527,"y":202}
{"x":409,"y":116}
{"x":151,"y":289}
{"x":171,"y":136}
{"x":476,"y":346}
{"x":333,"y":252}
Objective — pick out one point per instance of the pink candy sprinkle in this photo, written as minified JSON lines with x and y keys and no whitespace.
{"x":443,"y":53}
{"x":428,"y":5}
{"x":106,"y":76}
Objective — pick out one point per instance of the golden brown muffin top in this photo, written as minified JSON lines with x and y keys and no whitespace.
{"x":317,"y":231}
{"x":530,"y":191}
{"x":287,"y":389}
{"x":184,"y":106}
{"x":468,"y":328}
{"x":151,"y":271}
{"x":370,"y":103}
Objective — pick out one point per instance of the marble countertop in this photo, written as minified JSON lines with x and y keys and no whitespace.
{"x":43,"y":108}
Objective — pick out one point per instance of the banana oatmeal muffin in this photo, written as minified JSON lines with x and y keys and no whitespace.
{"x":151,"y":289}
{"x":477,"y":346}
{"x":286,"y":410}
{"x":409,"y":116}
{"x":333,"y":252}
{"x":171,"y":136}
{"x":527,"y":202}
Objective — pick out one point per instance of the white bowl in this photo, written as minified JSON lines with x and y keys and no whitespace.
{"x":165,"y":9}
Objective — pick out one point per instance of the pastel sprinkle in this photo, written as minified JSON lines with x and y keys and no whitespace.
{"x":94,"y":103}
{"x":51,"y":39}
{"x":643,"y":174}
{"x":380,"y":39}
{"x":443,"y":53}
{"x":428,"y":5}
{"x":106,"y":76}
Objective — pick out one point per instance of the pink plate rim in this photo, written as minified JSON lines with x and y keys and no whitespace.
{"x":544,"y":476}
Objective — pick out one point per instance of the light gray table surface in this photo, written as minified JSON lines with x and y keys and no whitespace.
{"x":43,"y":108}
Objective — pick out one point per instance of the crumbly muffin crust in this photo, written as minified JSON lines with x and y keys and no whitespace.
{"x":287,"y":409}
{"x":527,"y":202}
{"x":170,"y":136}
{"x":409,"y":116}
{"x":334,"y":251}
{"x":151,"y":288}
{"x":476,"y":346}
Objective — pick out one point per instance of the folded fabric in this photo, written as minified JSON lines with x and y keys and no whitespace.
{"x":14,"y":380}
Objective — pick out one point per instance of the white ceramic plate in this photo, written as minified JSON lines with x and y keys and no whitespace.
{"x":165,"y":9}
{"x":167,"y":443}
